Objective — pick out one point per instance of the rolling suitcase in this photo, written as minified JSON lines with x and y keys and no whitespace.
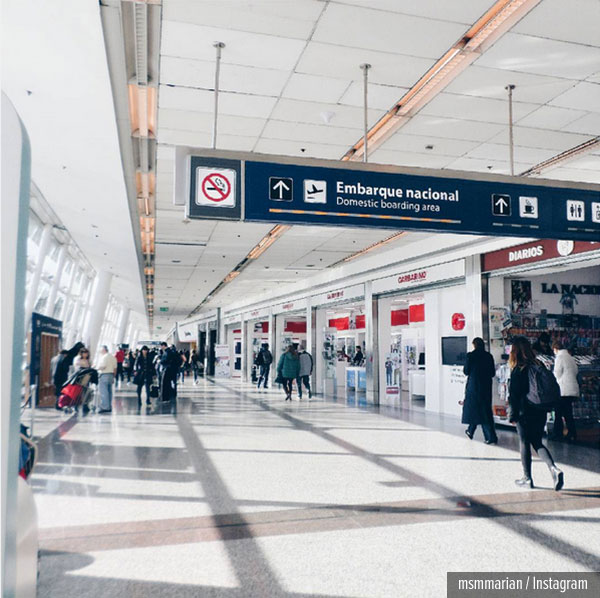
{"x":70,"y":395}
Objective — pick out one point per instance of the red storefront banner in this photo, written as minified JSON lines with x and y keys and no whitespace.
{"x":537,"y":251}
{"x":416,"y":313}
{"x":298,"y":327}
{"x":400,"y":317}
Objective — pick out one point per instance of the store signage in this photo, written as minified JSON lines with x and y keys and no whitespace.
{"x":536,"y":251}
{"x":423,"y":276}
{"x":327,"y":192}
{"x":187,"y":333}
{"x":458,"y":321}
{"x":571,"y":289}
{"x":289,"y":306}
{"x":258,"y":313}
{"x":354,"y":292}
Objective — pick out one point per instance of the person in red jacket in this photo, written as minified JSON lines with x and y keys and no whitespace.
{"x":120,"y":357}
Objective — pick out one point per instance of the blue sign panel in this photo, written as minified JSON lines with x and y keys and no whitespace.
{"x":318,"y":195}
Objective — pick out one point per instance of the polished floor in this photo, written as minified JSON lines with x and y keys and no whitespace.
{"x":243,"y":494}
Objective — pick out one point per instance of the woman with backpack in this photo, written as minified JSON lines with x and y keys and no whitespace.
{"x":527,"y":410}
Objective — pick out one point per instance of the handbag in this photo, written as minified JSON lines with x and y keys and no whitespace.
{"x":279,"y":379}
{"x":138,"y":378}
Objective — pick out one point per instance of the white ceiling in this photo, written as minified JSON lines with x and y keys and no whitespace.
{"x":284,"y":64}
{"x":287,"y":62}
{"x":54,"y":71}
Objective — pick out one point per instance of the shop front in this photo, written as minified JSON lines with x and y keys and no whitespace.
{"x":290,"y":326}
{"x":423,"y":331}
{"x":548,"y":291}
{"x":340,"y":360}
{"x":233,"y":344}
{"x":258,"y":329}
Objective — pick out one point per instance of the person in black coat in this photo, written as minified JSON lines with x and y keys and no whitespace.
{"x":61,"y":371}
{"x":477,"y":406}
{"x":530,"y":420}
{"x":144,"y":373}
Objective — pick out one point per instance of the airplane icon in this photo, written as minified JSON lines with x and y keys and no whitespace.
{"x":315,"y":191}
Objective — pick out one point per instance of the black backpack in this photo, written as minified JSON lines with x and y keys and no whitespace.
{"x":544,"y":391}
{"x":267,"y":357}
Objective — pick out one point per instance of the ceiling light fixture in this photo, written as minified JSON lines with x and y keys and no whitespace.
{"x":267,"y":241}
{"x":499,"y":19}
{"x":563,"y":157}
{"x":372,"y":247}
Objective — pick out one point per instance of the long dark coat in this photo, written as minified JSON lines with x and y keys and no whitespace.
{"x":477,"y":408}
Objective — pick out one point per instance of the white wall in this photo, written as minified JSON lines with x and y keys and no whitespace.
{"x":444,"y":385}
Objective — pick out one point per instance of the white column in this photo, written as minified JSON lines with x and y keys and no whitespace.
{"x":69,"y":299}
{"x":60,"y":264}
{"x":123,"y":321}
{"x":34,"y":284}
{"x":244,"y":329}
{"x":371,"y":345}
{"x":73,"y":324}
{"x":474,"y":295}
{"x":85,"y":313}
{"x":98,"y":309}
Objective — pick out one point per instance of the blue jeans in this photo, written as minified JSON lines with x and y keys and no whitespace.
{"x":306,"y":381}
{"x":105,"y":386}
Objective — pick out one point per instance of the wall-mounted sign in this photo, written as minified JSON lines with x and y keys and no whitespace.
{"x":163,"y":309}
{"x":458,"y":321}
{"x":420,"y":277}
{"x":326,"y":192}
{"x":537,"y":251}
{"x":290,"y":306}
{"x":570,"y":289}
{"x":356,"y":291}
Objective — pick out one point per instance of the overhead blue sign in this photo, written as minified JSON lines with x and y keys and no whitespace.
{"x":349,"y":197}
{"x":331,"y":193}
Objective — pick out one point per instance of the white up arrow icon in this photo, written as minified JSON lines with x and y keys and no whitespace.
{"x":502,"y":204}
{"x":280,"y":186}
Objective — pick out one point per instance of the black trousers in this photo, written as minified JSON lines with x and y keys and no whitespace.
{"x":564,"y":409}
{"x":306,"y":381}
{"x":146,"y":384}
{"x":530,"y":428}
{"x":264,"y":375}
{"x":489,"y":431}
{"x":120,"y":376}
{"x":287,"y":386}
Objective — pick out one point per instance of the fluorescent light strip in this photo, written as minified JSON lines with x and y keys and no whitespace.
{"x":494,"y":23}
{"x":563,"y":157}
{"x":372,"y":247}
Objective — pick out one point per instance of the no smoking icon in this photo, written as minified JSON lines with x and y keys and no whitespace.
{"x":215,"y":187}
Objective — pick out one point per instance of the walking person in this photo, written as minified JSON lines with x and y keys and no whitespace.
{"x":120,"y":357}
{"x":107,"y":368}
{"x":195,"y":363}
{"x":288,"y":369}
{"x":530,"y":419}
{"x":263,"y":361}
{"x":306,"y":368}
{"x":565,"y":371}
{"x":144,"y":373}
{"x":477,"y":407}
{"x":61,"y":369}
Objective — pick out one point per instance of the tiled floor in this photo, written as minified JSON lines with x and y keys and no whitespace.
{"x":243,"y":494}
